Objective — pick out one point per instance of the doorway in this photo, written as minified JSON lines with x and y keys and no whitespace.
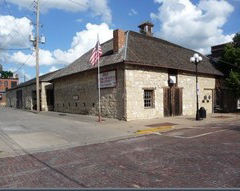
{"x":19,"y":99}
{"x":172,"y":98}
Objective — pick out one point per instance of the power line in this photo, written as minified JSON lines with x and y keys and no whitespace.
{"x":15,"y":48}
{"x":23,"y":63}
{"x":19,"y":31}
{"x":28,"y":9}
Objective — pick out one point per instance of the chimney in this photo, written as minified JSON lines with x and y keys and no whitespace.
{"x":118,"y":40}
{"x":146,"y":28}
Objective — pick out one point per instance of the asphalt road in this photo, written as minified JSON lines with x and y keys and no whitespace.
{"x":199,"y":157}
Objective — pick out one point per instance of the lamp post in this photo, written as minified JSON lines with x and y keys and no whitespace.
{"x":196,"y":59}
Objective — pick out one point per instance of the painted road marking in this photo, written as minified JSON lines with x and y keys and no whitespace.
{"x":153,"y":130}
{"x":200,"y":135}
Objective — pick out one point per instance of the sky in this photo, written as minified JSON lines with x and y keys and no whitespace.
{"x":71,"y":27}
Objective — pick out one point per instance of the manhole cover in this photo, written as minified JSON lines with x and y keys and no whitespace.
{"x":161,"y":124}
{"x":62,"y":114}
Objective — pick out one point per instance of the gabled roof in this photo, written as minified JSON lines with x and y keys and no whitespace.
{"x":144,"y":50}
{"x":157,"y":52}
{"x":44,"y":78}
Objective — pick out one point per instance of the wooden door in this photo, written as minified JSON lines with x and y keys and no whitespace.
{"x":172,"y":101}
{"x":19,"y":99}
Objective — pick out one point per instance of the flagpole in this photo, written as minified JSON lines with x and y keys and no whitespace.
{"x":99,"y":88}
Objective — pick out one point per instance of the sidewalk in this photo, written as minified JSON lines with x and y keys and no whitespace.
{"x":23,"y":132}
{"x":133,"y":126}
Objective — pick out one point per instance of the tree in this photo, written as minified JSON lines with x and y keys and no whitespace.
{"x":231,"y":56}
{"x":6,"y":74}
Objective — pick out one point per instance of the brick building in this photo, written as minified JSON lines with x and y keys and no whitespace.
{"x":6,"y":83}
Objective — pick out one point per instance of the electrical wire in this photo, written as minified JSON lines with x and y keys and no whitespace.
{"x":23,"y":63}
{"x":28,"y":9}
{"x":15,"y":49}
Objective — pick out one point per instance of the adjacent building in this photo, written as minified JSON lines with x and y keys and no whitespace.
{"x":6,"y":83}
{"x":23,"y":96}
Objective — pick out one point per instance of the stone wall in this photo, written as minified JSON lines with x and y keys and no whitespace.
{"x":11,"y":100}
{"x":206,"y":86}
{"x":28,"y":101}
{"x":138,"y":79}
{"x":44,"y":105}
{"x":78,"y":93}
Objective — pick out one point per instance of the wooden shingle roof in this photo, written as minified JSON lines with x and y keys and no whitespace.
{"x":144,"y":50}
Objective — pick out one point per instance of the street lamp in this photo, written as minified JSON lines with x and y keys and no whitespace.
{"x":196,"y":59}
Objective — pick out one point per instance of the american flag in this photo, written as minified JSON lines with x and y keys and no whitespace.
{"x":96,"y":53}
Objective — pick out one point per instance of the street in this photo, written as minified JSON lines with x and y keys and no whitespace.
{"x":203,"y":156}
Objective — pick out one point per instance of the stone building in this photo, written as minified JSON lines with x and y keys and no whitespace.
{"x":142,"y":77}
{"x":23,"y":96}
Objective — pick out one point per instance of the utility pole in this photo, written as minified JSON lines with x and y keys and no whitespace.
{"x":36,"y":40}
{"x":37,"y":57}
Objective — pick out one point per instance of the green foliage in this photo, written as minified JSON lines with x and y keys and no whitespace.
{"x":236,"y":40}
{"x":233,"y":82}
{"x":231,"y":64}
{"x":6,"y":74}
{"x":231,"y":54}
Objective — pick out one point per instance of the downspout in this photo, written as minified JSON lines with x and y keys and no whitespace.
{"x":124,"y":80}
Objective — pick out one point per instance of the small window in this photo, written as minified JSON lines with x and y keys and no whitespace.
{"x":0,"y":83}
{"x":13,"y":84}
{"x":148,"y":98}
{"x":6,"y":83}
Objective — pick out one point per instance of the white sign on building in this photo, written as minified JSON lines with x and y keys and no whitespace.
{"x":108,"y":79}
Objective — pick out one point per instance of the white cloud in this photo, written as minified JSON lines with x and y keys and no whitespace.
{"x":45,"y":58}
{"x":194,"y":26}
{"x":81,"y":43}
{"x":14,"y":32}
{"x":53,"y":68}
{"x":133,"y":12}
{"x":98,"y":7}
{"x":21,"y":58}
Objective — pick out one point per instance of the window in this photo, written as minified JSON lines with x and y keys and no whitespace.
{"x":13,"y":84}
{"x":148,"y":98}
{"x":0,"y":83}
{"x":172,"y":78}
{"x":6,"y":83}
